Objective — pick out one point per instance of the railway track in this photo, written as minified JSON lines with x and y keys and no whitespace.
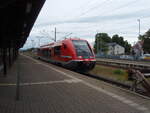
{"x":121,"y":85}
{"x":138,"y":71}
{"x":128,"y":87}
{"x":124,"y":63}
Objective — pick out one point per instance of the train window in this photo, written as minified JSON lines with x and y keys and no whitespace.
{"x":49,"y":53}
{"x":38,"y":51}
{"x":57,"y":50}
{"x":82,"y":48}
{"x":46,"y":53}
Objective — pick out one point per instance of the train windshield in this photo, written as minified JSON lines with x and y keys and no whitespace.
{"x":82,"y":48}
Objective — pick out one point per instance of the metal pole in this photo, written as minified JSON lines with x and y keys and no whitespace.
{"x":32,"y":42}
{"x":139,"y":26}
{"x":55,"y":34}
{"x":13,"y":54}
{"x":9,"y":51}
{"x":18,"y":81}
{"x":39,"y":42}
{"x":4,"y":61}
{"x":100,"y":46}
{"x":97,"y":44}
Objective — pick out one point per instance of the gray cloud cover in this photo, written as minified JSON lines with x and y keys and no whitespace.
{"x":85,"y":18}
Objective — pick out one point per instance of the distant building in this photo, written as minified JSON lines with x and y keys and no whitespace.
{"x":115,"y":49}
{"x":137,"y":49}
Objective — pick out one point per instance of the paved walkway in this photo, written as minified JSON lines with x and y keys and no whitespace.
{"x":45,"y":88}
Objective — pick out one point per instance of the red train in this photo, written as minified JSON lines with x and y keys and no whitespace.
{"x":75,"y":54}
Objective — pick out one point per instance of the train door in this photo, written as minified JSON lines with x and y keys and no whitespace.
{"x":50,"y":53}
{"x":65,"y":53}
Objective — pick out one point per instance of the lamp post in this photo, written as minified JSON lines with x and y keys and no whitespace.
{"x":55,"y":35}
{"x":32,"y":43}
{"x":97,"y":43}
{"x":39,"y":40}
{"x":139,"y":26}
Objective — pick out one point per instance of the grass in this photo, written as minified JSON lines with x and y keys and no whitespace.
{"x":119,"y":72}
{"x":111,"y":72}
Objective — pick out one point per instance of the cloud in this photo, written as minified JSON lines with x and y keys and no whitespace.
{"x":144,"y":13}
{"x":84,"y":18}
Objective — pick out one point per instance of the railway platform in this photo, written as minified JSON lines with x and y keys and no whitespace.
{"x":46,"y":88}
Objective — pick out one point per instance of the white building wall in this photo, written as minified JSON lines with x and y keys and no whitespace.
{"x":119,"y":50}
{"x":116,"y":50}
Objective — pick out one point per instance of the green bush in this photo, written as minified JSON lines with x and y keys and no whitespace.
{"x":119,"y":72}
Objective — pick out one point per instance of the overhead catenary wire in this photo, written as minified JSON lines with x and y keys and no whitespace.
{"x":84,"y":6}
{"x":94,"y":8}
{"x":122,"y":6}
{"x":108,"y":11}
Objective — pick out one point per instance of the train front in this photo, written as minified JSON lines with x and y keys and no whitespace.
{"x":85,"y":58}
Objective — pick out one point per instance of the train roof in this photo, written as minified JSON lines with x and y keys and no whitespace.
{"x":74,"y":39}
{"x":59,"y":43}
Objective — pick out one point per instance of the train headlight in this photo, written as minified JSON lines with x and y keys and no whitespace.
{"x":91,"y":56}
{"x":79,"y":56}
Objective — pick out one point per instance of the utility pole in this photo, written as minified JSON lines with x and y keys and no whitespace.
{"x":39,"y":39}
{"x":55,"y":34}
{"x":96,"y":38}
{"x":139,"y":26}
{"x":97,"y":42}
{"x":39,"y":42}
{"x":32,"y":42}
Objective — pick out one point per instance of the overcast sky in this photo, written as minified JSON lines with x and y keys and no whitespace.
{"x":84,"y":18}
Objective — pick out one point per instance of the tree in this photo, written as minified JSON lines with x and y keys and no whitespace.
{"x":148,"y":34}
{"x":101,"y":40}
{"x":104,"y":37}
{"x":118,"y":39}
{"x":146,"y":39}
{"x":127,"y":47}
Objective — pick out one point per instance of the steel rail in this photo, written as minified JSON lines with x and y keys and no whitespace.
{"x":123,"y":64}
{"x":118,"y":84}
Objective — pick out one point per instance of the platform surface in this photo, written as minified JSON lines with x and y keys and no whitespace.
{"x":46,"y":88}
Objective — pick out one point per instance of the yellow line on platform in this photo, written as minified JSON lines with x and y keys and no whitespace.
{"x":7,"y":84}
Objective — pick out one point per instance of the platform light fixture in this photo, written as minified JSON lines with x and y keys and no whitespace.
{"x":28,"y":8}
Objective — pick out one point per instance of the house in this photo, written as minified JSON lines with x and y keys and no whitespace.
{"x":137,"y":49}
{"x":115,"y":49}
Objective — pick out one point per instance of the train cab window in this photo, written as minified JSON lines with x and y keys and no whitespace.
{"x":82,"y":48}
{"x":57,"y":50}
